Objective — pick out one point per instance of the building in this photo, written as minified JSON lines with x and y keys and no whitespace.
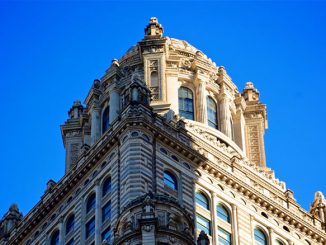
{"x":166,"y":150}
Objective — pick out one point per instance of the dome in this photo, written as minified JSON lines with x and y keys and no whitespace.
{"x":185,"y":84}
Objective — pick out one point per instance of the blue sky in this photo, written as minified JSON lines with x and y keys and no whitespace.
{"x":50,"y":52}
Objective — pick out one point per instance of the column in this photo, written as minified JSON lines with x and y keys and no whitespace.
{"x":270,"y":236}
{"x":239,"y":130}
{"x":98,"y":212}
{"x":96,"y":124}
{"x":180,"y":188}
{"x":114,"y":104}
{"x":225,"y":116}
{"x":234,"y":220}
{"x":61,"y":231}
{"x":214,"y":218}
{"x":201,"y":102}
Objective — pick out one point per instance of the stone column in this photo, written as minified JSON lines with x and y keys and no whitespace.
{"x":225,"y":114}
{"x":98,"y":212}
{"x":201,"y":102}
{"x":96,"y":123}
{"x":61,"y":231}
{"x":270,"y":236}
{"x":214,"y":218}
{"x":234,"y":224}
{"x":114,"y":104}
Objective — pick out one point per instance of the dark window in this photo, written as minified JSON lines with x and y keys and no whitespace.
{"x":260,"y":237}
{"x":106,"y":186}
{"x":224,"y":237}
{"x":106,"y":212}
{"x":203,"y":224}
{"x":223,"y":213}
{"x":71,"y":242}
{"x":202,"y":200}
{"x":211,"y":112}
{"x":170,"y":180}
{"x":55,"y":238}
{"x":106,"y":118}
{"x":90,"y":227}
{"x":90,"y":203}
{"x":186,"y":103}
{"x":70,"y":223}
{"x":107,"y":235}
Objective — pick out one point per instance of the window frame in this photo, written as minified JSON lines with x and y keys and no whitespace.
{"x":167,"y":182}
{"x":201,"y":202}
{"x":70,"y":224}
{"x":259,"y":231}
{"x":221,"y":215}
{"x":210,"y":123}
{"x":107,"y":186}
{"x":188,"y":114}
{"x":90,"y":203}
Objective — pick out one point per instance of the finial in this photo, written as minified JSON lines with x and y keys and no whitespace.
{"x":115,"y":62}
{"x":153,"y":29}
{"x":249,"y":85}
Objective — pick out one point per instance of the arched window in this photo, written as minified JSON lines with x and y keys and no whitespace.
{"x":90,"y":203}
{"x":224,"y":237}
{"x":170,"y":180}
{"x":70,"y":223}
{"x":155,"y":85}
{"x":223,"y":213}
{"x":186,"y":103}
{"x":202,"y":200}
{"x":212,"y":112}
{"x":105,"y":121}
{"x":260,"y":237}
{"x":106,"y":186}
{"x":55,"y":238}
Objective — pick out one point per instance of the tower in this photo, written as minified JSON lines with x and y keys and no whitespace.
{"x":166,"y":150}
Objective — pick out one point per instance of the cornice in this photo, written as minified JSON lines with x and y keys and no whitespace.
{"x":264,"y":202}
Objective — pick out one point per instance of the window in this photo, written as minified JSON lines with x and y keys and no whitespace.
{"x":203,"y":224}
{"x":71,"y":242}
{"x":106,"y":212}
{"x":186,"y":104}
{"x":90,"y":203}
{"x":107,"y":235}
{"x":90,"y":227}
{"x":223,"y":213}
{"x":70,"y":223}
{"x":224,"y":237}
{"x":170,"y":180}
{"x":55,"y":238}
{"x":211,"y":112}
{"x":106,"y":186}
{"x":260,"y":237}
{"x":105,"y":121}
{"x":202,"y":200}
{"x":154,"y":85}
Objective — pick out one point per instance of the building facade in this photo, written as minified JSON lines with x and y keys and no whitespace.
{"x":166,"y":150}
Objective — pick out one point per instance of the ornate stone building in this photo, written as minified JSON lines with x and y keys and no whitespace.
{"x":166,"y":150}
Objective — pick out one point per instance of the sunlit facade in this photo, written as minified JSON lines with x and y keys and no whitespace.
{"x":166,"y":150}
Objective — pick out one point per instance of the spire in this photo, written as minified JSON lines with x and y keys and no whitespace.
{"x":153,"y":29}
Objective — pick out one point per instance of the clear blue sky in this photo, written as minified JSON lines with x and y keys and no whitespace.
{"x":50,"y":52}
